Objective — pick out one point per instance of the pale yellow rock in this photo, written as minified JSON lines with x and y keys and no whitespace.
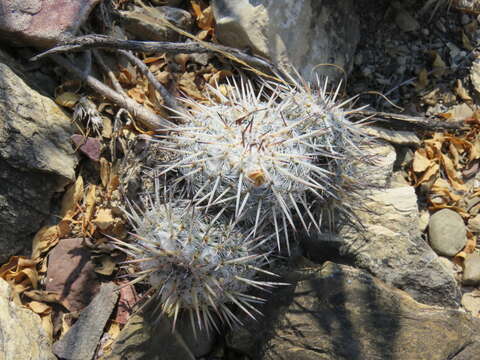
{"x":21,"y":334}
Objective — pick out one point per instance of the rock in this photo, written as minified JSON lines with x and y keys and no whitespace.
{"x":447,"y":232}
{"x":29,"y":22}
{"x":471,"y":270}
{"x":22,"y":335}
{"x":81,"y":341}
{"x":36,"y":160}
{"x":147,"y":24}
{"x":397,"y":137}
{"x":336,"y":312}
{"x":379,"y":170}
{"x":474,"y":224}
{"x":471,"y":302}
{"x":390,"y":246}
{"x":301,"y":33}
{"x":139,"y":339}
{"x":92,"y":147}
{"x":71,"y":274}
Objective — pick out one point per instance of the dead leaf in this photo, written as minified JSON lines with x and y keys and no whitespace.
{"x":105,"y":167}
{"x":420,"y":161}
{"x":422,"y":81}
{"x":67,"y":99}
{"x":105,"y":265}
{"x":46,"y":238}
{"x":467,"y":44}
{"x":104,"y":219}
{"x":90,"y":201}
{"x":461,"y":92}
{"x":452,"y":174}
{"x":438,"y":64}
{"x":71,"y":199}
{"x":20,"y":273}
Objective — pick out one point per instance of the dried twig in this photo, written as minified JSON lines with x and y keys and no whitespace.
{"x":409,"y":120}
{"x":170,"y":101}
{"x":115,"y":83}
{"x":149,"y":119}
{"x":92,"y":41}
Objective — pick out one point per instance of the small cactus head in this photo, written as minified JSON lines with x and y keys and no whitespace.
{"x":194,"y":263}
{"x":264,"y":154}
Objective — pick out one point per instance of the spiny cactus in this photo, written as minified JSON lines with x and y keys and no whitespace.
{"x":264,"y":154}
{"x":193,"y":262}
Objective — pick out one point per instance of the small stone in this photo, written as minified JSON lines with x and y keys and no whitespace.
{"x":471,"y":302}
{"x":471,"y":271}
{"x":474,"y":224}
{"x":447,"y":232}
{"x":88,"y":145}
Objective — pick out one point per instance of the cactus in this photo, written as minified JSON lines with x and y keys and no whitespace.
{"x":194,"y":262}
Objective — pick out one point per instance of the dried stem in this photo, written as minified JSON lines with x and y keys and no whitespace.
{"x":149,"y":119}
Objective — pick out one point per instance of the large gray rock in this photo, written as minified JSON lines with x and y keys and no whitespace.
{"x":36,"y":160}
{"x":147,"y":338}
{"x":148,"y":25}
{"x":447,"y":232}
{"x":42,"y":23}
{"x":21,"y":332}
{"x":387,"y":242}
{"x":337,"y":312}
{"x":301,"y":33}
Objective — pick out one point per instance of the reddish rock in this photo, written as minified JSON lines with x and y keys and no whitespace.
{"x":71,"y":274}
{"x":42,"y":23}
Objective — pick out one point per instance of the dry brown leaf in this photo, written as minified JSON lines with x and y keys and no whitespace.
{"x":46,"y":238}
{"x":67,"y":99}
{"x":71,"y":198}
{"x":188,"y":86}
{"x":438,"y":64}
{"x":105,"y":265}
{"x":467,"y":44}
{"x":105,"y":168}
{"x":206,"y":20}
{"x":90,"y":201}
{"x":45,"y":313}
{"x":428,"y":174}
{"x":182,"y":59}
{"x":20,"y":273}
{"x":461,"y":92}
{"x":471,"y":243}
{"x":42,"y":295}
{"x":104,"y":219}
{"x":420,"y":161}
{"x":107,"y":128}
{"x":423,"y":80}
{"x":452,"y":174}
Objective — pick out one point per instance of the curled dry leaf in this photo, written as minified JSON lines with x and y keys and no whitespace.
{"x":46,"y":238}
{"x":421,"y":162}
{"x":20,"y":273}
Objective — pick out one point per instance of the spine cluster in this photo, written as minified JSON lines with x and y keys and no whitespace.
{"x":256,"y":166}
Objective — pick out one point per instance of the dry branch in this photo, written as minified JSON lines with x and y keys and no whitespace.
{"x":149,"y":119}
{"x":402,"y":121}
{"x":95,"y":41}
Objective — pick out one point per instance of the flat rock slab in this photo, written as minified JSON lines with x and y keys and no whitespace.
{"x":301,"y":33}
{"x":71,"y":273}
{"x":140,"y":339}
{"x":390,"y":246}
{"x":42,"y":23}
{"x":36,"y":160}
{"x":21,"y":332}
{"x":81,"y":341}
{"x":336,"y":312}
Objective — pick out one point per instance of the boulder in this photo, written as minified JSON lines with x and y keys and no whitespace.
{"x":304,"y":34}
{"x":22,"y":335}
{"x":36,"y":160}
{"x":29,"y":22}
{"x":336,"y":312}
{"x":447,"y":232}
